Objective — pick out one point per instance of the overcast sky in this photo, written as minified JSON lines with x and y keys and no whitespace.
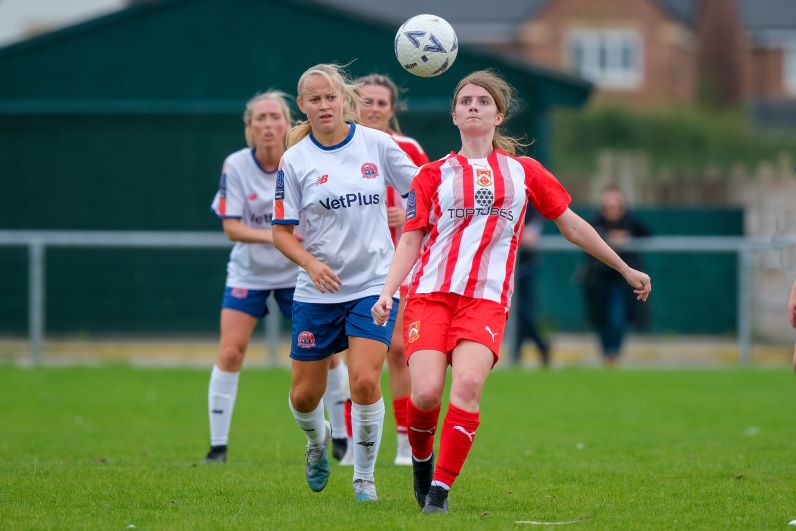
{"x":18,"y":18}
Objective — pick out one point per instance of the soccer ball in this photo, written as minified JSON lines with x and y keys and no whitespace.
{"x":426,"y":45}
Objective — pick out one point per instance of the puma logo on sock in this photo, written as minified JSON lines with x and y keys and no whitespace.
{"x":469,"y":435}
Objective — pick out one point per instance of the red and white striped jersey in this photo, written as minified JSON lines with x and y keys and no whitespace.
{"x":419,"y":157}
{"x":472,"y":213}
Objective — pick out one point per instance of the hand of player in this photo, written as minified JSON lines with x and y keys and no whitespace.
{"x":323,"y":277}
{"x":396,"y":216}
{"x":640,"y":282}
{"x":381,"y":310}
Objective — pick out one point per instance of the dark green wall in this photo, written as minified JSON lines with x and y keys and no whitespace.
{"x":122,"y":123}
{"x":693,"y":293}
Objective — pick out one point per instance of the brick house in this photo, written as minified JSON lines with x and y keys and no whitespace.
{"x":670,"y":51}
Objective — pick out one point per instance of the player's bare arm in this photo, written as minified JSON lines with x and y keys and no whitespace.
{"x":236,"y":231}
{"x":792,"y":307}
{"x":405,"y":256}
{"x":321,"y":275}
{"x":576,"y":230}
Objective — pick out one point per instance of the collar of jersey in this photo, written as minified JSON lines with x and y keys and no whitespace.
{"x":351,"y":128}
{"x":253,"y":151}
{"x":488,"y":158}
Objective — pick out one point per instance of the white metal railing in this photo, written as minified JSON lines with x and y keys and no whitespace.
{"x":38,"y":241}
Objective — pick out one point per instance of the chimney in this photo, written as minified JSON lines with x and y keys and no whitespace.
{"x":721,"y":54}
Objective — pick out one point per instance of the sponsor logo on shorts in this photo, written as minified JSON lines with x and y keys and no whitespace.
{"x":306,"y":339}
{"x":252,"y":197}
{"x":414,"y":331}
{"x":491,"y":333}
{"x":369,"y":171}
{"x":240,"y":293}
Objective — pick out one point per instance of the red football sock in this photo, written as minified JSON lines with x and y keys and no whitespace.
{"x":399,"y":408}
{"x":348,"y":426}
{"x":422,"y":426}
{"x":455,"y":441}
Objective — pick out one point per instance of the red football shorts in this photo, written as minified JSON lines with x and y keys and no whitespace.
{"x":439,"y":321}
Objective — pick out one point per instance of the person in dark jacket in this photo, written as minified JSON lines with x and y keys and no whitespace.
{"x":611,"y":307}
{"x":525,"y":294}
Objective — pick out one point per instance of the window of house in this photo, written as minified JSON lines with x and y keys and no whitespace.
{"x":607,"y":58}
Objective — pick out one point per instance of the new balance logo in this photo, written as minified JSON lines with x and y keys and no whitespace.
{"x":366,"y":444}
{"x":218,"y":411}
{"x":469,"y":435}
{"x":418,"y":430}
{"x":491,"y":333}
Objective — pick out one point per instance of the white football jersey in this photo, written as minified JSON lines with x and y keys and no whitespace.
{"x":337,"y":195}
{"x":246,"y":192}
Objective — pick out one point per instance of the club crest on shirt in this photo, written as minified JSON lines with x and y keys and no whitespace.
{"x":369,"y":171}
{"x":483,"y":177}
{"x":306,"y":339}
{"x":414,"y":332}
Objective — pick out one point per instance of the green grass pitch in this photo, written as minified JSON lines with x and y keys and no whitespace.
{"x":115,"y":447}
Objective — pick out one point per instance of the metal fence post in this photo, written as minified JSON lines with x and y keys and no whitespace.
{"x":744,"y":310}
{"x":36,"y":307}
{"x":272,"y":321}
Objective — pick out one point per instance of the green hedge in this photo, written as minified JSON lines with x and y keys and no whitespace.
{"x":680,"y":140}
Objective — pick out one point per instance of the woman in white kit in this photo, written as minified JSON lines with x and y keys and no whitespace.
{"x":244,"y":202}
{"x":331,"y":184}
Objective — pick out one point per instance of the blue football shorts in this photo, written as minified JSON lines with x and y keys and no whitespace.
{"x":323,"y":329}
{"x":252,"y":301}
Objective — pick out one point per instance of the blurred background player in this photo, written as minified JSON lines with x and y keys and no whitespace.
{"x":609,"y":306}
{"x":464,"y":212}
{"x":380,"y":105}
{"x":332,"y":181}
{"x":256,"y":269}
{"x":527,"y":327}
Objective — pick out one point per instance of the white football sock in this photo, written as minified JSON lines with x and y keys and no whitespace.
{"x":367,"y":422}
{"x":220,"y":402}
{"x":335,"y":398}
{"x":311,"y":422}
